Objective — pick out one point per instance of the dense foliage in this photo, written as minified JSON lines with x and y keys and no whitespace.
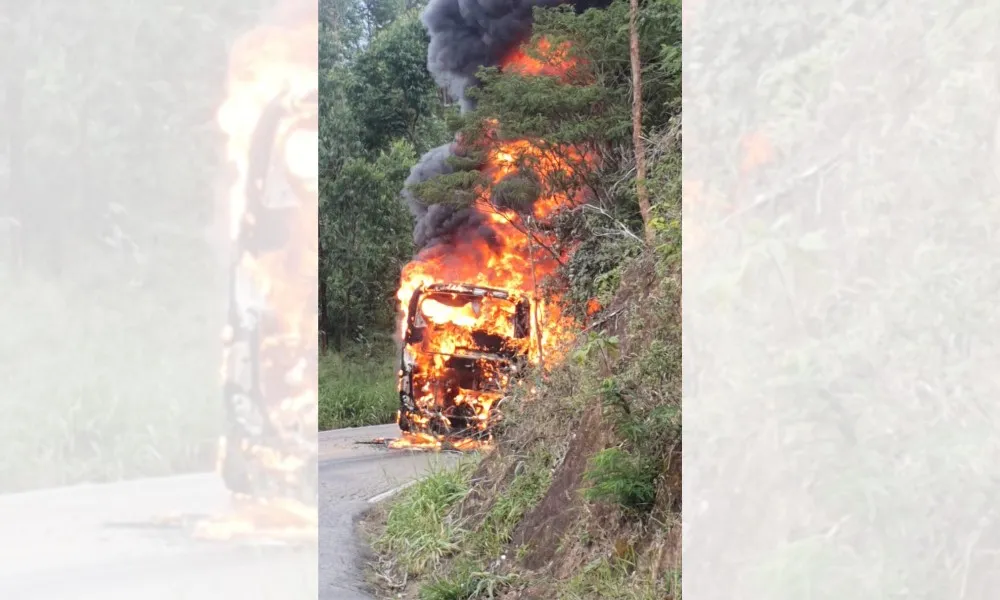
{"x":112,"y":165}
{"x":380,"y":110}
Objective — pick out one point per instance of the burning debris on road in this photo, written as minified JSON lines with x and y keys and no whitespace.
{"x":473,"y":316}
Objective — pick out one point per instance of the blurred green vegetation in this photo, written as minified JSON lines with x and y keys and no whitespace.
{"x":111,"y":164}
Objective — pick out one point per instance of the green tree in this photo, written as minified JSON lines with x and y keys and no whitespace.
{"x":391,"y":92}
{"x":365,"y":236}
{"x":379,"y":108}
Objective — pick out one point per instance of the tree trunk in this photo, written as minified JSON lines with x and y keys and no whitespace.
{"x":536,"y":303}
{"x":637,"y":142}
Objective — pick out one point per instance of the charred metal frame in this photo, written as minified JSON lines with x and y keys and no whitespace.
{"x":466,"y":361}
{"x":274,"y":201}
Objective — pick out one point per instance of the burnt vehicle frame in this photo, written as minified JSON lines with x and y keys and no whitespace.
{"x":480,"y":369}
{"x":274,"y":201}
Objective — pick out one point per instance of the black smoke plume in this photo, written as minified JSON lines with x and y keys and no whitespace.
{"x":464,"y":36}
{"x":469,"y":34}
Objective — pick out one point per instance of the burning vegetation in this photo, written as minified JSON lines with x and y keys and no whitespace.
{"x":270,"y":118}
{"x":474,"y":310}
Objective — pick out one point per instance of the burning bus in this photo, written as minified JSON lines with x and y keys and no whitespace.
{"x":462,"y":346}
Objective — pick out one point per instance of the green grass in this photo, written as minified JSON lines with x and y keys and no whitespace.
{"x":464,"y":582}
{"x":531,"y":480}
{"x":613,"y":579}
{"x":423,"y":530}
{"x":419,"y":532}
{"x":357,"y":389}
{"x":428,"y":540}
{"x":626,"y":478}
{"x":103,"y":382}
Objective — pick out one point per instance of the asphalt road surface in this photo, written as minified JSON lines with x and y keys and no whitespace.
{"x":350,"y":475}
{"x":96,"y":541}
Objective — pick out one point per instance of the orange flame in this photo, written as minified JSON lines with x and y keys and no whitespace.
{"x":517,"y":259}
{"x":276,"y":61}
{"x":553,"y":60}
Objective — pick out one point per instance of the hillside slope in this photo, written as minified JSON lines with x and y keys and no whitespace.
{"x":581,"y":496}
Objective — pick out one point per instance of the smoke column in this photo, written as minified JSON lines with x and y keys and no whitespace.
{"x":464,"y":36}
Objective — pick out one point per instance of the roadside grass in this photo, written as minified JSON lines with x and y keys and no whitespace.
{"x":614,"y":579}
{"x":102,"y":382}
{"x":532,"y":478}
{"x":465,"y":580}
{"x":357,"y":388}
{"x":428,"y":538}
{"x":420,"y":530}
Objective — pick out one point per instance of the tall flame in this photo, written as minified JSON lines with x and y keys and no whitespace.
{"x":270,"y":120}
{"x":517,"y":258}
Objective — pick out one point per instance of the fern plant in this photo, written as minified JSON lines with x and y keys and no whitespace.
{"x":618,"y":476}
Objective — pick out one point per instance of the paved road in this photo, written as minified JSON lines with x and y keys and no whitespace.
{"x":56,"y":544}
{"x":350,"y":474}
